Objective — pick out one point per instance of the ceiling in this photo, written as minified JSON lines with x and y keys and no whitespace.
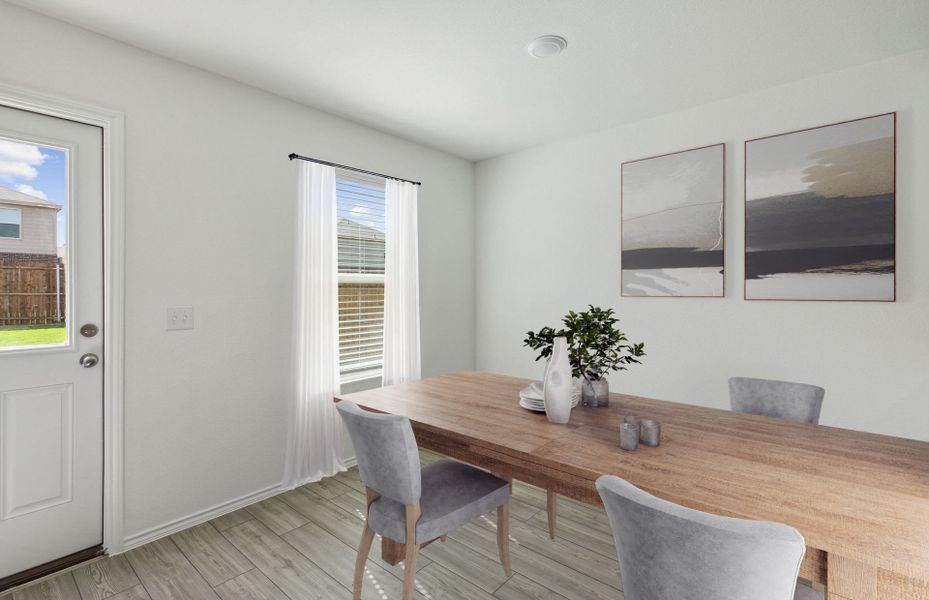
{"x":455,"y":75}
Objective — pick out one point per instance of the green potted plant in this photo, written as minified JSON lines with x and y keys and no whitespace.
{"x":596,"y":347}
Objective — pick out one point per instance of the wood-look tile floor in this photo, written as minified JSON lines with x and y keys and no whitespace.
{"x":301,"y":545}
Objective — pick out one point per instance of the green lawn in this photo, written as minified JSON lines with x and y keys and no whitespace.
{"x":31,"y":335}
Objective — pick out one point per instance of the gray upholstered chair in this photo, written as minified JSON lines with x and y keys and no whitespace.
{"x":669,"y":552}
{"x":799,"y":402}
{"x":413,"y":506}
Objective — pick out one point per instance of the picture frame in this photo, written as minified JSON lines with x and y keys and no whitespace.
{"x":820,"y":213}
{"x":673,"y":217}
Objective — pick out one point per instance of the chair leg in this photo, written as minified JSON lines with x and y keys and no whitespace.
{"x":503,"y":536}
{"x":367,"y":537}
{"x":409,"y":570}
{"x":552,"y":512}
{"x":413,"y":512}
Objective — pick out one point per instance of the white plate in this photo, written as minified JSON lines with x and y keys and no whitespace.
{"x":531,"y":407}
{"x":530,"y":397}
{"x":540,"y":406}
{"x":533,"y":392}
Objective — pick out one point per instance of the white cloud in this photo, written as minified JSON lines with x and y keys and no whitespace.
{"x":19,"y":161}
{"x":10,"y":170}
{"x":28,"y":189}
{"x":360,"y":210}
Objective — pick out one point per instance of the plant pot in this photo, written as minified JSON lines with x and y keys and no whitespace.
{"x":595,"y":393}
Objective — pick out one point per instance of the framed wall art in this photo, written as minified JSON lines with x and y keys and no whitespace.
{"x":673,"y":224}
{"x":820,"y":213}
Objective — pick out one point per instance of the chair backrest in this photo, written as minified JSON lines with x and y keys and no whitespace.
{"x":385,"y":447}
{"x":669,"y":552}
{"x":799,"y":402}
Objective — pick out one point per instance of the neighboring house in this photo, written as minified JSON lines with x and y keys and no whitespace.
{"x":28,"y":226}
{"x":361,"y":248}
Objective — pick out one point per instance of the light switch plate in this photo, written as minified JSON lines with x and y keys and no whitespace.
{"x":180,"y":317}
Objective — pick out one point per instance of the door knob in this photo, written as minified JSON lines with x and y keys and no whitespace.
{"x":89,"y":360}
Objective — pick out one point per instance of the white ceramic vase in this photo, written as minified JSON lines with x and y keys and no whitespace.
{"x":558,"y":385}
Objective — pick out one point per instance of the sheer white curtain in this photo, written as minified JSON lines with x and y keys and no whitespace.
{"x":314,"y":440}
{"x":401,"y":284}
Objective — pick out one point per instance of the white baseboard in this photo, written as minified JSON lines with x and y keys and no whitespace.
{"x":150,"y":535}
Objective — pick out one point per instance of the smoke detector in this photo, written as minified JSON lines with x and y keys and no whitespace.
{"x":547,"y":46}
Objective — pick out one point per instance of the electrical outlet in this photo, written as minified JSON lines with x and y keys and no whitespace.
{"x":180,"y":317}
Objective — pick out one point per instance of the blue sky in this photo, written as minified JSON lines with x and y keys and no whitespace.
{"x":37,"y":170}
{"x":360,"y":202}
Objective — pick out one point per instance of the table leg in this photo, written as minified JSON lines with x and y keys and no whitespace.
{"x":850,"y":580}
{"x":392,"y":552}
{"x":853,"y":580}
{"x":552,"y":509}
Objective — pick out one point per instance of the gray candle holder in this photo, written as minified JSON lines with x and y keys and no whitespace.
{"x":650,"y":432}
{"x":629,"y":436}
{"x":632,"y":419}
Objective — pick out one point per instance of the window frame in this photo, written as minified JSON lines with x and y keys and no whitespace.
{"x":19,"y":225}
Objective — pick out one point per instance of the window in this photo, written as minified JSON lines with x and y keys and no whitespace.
{"x":360,"y":213}
{"x":10,"y":222}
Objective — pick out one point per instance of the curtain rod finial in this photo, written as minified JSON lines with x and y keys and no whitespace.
{"x":292,"y":156}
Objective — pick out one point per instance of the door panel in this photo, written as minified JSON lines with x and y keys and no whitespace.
{"x":51,"y":283}
{"x":36,"y":461}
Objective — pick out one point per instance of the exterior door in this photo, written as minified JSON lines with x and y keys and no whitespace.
{"x":51,"y":343}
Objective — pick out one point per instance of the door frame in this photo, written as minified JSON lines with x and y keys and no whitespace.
{"x":112,"y":122}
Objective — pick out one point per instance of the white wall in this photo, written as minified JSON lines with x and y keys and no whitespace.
{"x":548,"y":239}
{"x":209,"y":223}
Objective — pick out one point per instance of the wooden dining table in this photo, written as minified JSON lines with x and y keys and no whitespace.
{"x":861,"y":500}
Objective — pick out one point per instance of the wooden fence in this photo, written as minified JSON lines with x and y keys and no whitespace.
{"x":361,"y":325}
{"x":32,"y":291}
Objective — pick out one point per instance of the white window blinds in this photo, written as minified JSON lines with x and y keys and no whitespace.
{"x":360,"y":210}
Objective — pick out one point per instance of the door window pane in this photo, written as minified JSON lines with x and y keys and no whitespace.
{"x":33,"y":245}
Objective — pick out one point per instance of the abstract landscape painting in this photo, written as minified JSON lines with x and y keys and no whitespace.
{"x":819,"y":213}
{"x":673,"y":224}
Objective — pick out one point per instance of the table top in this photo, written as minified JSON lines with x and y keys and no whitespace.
{"x":859,"y":495}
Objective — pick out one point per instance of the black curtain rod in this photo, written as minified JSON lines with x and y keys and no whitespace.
{"x":348,"y":168}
